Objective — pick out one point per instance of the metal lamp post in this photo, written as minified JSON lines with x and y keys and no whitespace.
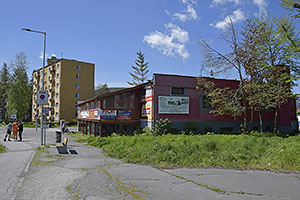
{"x":42,"y":109}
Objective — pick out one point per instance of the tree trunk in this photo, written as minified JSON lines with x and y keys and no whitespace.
{"x":260,"y":120}
{"x":251,"y":122}
{"x":276,"y":115}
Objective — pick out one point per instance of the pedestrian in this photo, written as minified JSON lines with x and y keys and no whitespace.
{"x":15,"y":130}
{"x":20,"y":130}
{"x":8,"y":132}
{"x":63,"y":127}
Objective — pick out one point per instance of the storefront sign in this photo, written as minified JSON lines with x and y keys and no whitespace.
{"x":124,"y":115}
{"x":173,"y":105}
{"x":84,"y":114}
{"x":108,"y":115}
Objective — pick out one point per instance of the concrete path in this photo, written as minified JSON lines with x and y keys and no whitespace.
{"x":91,"y":175}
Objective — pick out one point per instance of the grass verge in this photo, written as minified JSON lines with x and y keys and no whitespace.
{"x":229,"y":151}
{"x":2,"y":149}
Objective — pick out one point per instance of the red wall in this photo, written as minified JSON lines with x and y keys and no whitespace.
{"x":162,"y":87}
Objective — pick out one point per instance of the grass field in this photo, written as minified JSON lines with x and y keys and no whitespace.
{"x":229,"y":151}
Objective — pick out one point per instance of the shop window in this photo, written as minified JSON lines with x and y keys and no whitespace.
{"x":177,"y":91}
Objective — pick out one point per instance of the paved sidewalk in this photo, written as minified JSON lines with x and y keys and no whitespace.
{"x":92,"y":175}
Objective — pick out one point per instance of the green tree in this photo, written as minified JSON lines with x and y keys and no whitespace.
{"x":4,"y":86}
{"x":20,"y":91}
{"x":291,"y":5}
{"x":101,"y":89}
{"x":223,"y":62}
{"x":140,"y":71}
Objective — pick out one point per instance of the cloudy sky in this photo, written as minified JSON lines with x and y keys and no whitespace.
{"x":109,"y":33}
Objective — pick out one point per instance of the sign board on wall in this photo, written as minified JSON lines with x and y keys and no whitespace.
{"x":173,"y":105}
{"x":108,"y":115}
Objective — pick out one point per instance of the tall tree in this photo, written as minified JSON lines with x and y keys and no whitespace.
{"x":291,"y":5}
{"x":140,"y":71}
{"x":222,"y":62}
{"x":20,"y":91}
{"x":4,"y":86}
{"x":101,"y":89}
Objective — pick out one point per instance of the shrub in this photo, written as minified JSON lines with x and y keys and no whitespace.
{"x":207,"y":129}
{"x":162,"y":127}
{"x":190,"y":127}
{"x":147,"y":131}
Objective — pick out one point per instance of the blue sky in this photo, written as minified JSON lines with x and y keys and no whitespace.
{"x":109,"y":33}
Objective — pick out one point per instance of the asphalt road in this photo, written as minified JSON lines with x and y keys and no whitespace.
{"x":92,"y":175}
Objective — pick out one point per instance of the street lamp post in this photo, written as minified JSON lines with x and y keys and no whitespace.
{"x":43,"y":74}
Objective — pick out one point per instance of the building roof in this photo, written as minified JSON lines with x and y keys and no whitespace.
{"x":114,"y":93}
{"x":59,"y":60}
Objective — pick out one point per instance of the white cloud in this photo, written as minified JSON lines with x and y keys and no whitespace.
{"x":46,"y":55}
{"x":170,"y":44}
{"x":237,"y":16}
{"x":41,"y":56}
{"x":189,"y":12}
{"x":217,"y":2}
{"x":262,"y":5}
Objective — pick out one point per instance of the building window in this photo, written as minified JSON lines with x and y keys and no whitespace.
{"x":78,"y":67}
{"x":57,"y":75}
{"x":56,"y":105}
{"x":57,"y":85}
{"x":56,"y":114}
{"x":205,"y":102}
{"x":177,"y":91}
{"x":57,"y":66}
{"x":78,"y":76}
{"x":77,"y":95}
{"x":77,"y":86}
{"x":56,"y":95}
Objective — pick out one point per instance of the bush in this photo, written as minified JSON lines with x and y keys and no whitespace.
{"x":191,"y":128}
{"x":207,"y":129}
{"x":162,"y":127}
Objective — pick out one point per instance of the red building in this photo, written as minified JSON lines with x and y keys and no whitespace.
{"x":168,"y":96}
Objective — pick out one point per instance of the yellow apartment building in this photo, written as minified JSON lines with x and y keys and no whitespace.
{"x":67,"y":82}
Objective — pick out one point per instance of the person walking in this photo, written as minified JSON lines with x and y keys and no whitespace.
{"x":20,"y":130}
{"x":8,"y":132}
{"x":15,"y":130}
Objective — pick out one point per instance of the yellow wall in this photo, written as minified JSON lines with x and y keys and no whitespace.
{"x":61,"y":87}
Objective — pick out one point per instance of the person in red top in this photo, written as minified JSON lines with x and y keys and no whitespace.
{"x":15,"y":130}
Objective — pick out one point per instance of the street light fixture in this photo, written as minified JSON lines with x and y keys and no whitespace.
{"x":42,"y":109}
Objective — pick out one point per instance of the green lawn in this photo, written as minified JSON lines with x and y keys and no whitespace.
{"x":229,"y":151}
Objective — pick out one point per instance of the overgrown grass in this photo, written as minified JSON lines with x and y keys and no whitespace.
{"x":230,"y":151}
{"x":2,"y":149}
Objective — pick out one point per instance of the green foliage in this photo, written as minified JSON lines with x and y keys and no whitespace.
{"x":191,"y":127}
{"x":237,"y":151}
{"x":101,"y":89}
{"x":162,"y":127}
{"x":140,"y":71}
{"x":2,"y":149}
{"x":4,"y":86}
{"x":20,"y":91}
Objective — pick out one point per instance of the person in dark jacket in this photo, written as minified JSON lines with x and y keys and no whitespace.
{"x":20,"y":130}
{"x":8,"y":132}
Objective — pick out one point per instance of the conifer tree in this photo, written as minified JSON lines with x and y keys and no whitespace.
{"x":140,"y":71}
{"x":4,"y":86}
